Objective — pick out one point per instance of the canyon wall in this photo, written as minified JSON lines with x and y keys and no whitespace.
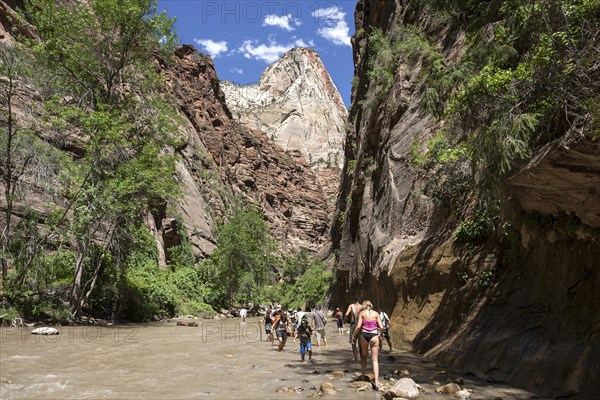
{"x":525,"y":310}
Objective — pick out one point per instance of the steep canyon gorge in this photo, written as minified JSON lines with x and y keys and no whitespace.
{"x":343,"y":185}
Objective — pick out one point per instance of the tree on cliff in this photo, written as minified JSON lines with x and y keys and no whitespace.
{"x":104,"y":81}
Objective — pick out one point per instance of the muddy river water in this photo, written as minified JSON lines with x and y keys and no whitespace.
{"x":223,"y":359}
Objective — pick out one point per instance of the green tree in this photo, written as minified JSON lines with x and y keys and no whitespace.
{"x":242,"y":256}
{"x":311,"y":288}
{"x":25,"y":160}
{"x":101,"y":54}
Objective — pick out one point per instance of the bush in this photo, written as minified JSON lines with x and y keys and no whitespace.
{"x":149,"y":293}
{"x":474,"y":231}
{"x":195,"y":308}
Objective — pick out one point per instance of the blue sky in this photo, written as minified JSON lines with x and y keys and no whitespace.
{"x":245,"y":36}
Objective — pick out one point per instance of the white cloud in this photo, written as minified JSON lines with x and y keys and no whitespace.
{"x":334,"y":27}
{"x":211,"y":47}
{"x":270,"y":52}
{"x":330,"y":13}
{"x":283,"y":22}
{"x":237,"y":70}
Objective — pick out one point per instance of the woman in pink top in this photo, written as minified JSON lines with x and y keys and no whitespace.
{"x":368,"y":322}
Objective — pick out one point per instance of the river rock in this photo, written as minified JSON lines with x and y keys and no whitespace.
{"x":45,"y":331}
{"x":187,"y":323}
{"x":405,"y":387}
{"x":360,"y":385}
{"x":449,"y":388}
{"x":328,"y":388}
{"x":283,"y":389}
{"x":336,"y":375}
{"x":462,"y":394}
{"x":459,"y":381}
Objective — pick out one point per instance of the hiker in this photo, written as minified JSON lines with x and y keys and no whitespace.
{"x":366,"y":327}
{"x":303,"y":332}
{"x":299,"y":315}
{"x":281,"y":329}
{"x":268,"y":320}
{"x":385,"y":333}
{"x":352,"y":316}
{"x":339,"y":319}
{"x":320,"y":321}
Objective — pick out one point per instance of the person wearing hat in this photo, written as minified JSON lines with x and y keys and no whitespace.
{"x":303,"y":332}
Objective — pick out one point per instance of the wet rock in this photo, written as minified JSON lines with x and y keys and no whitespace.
{"x":459,"y":381}
{"x":449,"y":388}
{"x":286,"y":389}
{"x":328,"y":388}
{"x":187,"y":323}
{"x":462,"y":394}
{"x":6,"y":381}
{"x":45,"y":331}
{"x":336,"y":375}
{"x":405,"y":387}
{"x":405,"y":372}
{"x":316,"y":395}
{"x":312,"y":388}
{"x":360,"y":385}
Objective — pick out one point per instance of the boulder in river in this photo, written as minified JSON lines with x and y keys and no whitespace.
{"x":328,"y":388}
{"x":405,"y":388}
{"x":450,"y":388}
{"x":45,"y":331}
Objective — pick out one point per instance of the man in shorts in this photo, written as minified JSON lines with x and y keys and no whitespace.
{"x":352,"y":314}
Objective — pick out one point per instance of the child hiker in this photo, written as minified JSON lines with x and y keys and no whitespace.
{"x":303,"y":333}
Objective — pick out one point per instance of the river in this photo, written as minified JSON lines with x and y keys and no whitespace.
{"x":217,"y":360}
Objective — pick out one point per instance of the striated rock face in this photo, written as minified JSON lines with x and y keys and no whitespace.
{"x":223,"y":158}
{"x":299,"y":108}
{"x":525,"y":314}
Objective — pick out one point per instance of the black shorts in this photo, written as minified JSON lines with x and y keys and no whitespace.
{"x":282,"y":335}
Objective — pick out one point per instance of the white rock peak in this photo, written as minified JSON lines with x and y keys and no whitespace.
{"x":297,"y":104}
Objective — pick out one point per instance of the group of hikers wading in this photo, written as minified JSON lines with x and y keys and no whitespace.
{"x":368,"y":328}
